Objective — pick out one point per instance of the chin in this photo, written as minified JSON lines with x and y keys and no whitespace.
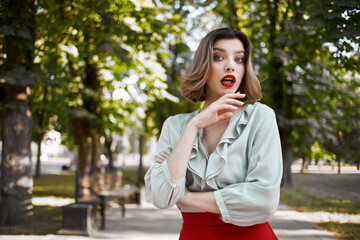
{"x":230,"y":90}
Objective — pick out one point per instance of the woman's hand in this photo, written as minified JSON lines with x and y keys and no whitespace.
{"x":160,"y":160}
{"x":221,"y":109}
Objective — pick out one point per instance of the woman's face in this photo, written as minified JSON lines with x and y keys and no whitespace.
{"x":227,"y":68}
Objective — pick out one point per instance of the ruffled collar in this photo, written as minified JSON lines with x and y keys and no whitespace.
{"x":218,"y":157}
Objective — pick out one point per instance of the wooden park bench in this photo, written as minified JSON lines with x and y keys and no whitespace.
{"x":80,"y":217}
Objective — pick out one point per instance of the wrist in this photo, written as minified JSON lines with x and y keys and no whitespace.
{"x":192,"y":124}
{"x":184,"y":200}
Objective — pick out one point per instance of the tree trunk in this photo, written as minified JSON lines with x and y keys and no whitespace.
{"x":87,"y":132}
{"x":83,"y":141}
{"x":41,"y":134}
{"x":338,"y":159}
{"x":108,"y":144}
{"x":16,"y":121}
{"x":287,"y":152}
{"x":89,"y":155}
{"x":96,"y":151}
{"x":141,"y":152}
{"x":303,"y":163}
{"x":16,"y":180}
{"x":38,"y":156}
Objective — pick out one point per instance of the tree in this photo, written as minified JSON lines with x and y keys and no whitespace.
{"x":300,"y":78}
{"x":16,"y":78}
{"x":343,"y":48}
{"x":94,"y":52}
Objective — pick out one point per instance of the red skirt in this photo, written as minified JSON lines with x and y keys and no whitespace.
{"x":209,"y":226}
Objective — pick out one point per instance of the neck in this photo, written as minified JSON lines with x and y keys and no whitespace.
{"x":208,"y":102}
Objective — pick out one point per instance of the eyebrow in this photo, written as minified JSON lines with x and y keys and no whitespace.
{"x":223,"y":50}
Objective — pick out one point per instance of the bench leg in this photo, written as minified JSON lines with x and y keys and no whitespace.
{"x":102,"y":211}
{"x":122,"y":202}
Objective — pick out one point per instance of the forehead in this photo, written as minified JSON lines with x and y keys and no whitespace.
{"x":231,"y":45}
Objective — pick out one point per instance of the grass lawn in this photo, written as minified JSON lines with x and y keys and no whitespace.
{"x":62,"y":185}
{"x":328,"y":193}
{"x":46,"y":220}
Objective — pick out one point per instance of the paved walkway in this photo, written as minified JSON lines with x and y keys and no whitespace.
{"x":145,"y":222}
{"x":292,"y":225}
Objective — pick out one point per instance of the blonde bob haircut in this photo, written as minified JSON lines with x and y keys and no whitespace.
{"x":194,"y":81}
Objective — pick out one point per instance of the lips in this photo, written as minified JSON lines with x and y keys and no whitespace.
{"x":228,"y":81}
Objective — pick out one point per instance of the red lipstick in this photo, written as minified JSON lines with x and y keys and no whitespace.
{"x":228,"y":81}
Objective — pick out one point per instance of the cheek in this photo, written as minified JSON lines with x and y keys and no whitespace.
{"x":241,"y":72}
{"x":215,"y":68}
{"x":241,"y":69}
{"x":215,"y":73}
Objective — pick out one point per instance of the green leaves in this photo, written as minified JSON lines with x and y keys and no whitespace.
{"x":124,"y":41}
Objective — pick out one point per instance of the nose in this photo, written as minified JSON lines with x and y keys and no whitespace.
{"x":230,"y":66}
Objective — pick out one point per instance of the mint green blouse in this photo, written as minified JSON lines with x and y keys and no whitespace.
{"x":244,"y":171}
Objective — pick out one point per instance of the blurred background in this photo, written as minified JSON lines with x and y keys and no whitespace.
{"x":86,"y":85}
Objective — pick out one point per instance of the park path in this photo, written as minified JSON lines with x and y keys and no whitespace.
{"x":145,"y":222}
{"x":292,"y":225}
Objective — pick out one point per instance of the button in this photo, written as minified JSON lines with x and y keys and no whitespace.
{"x":174,"y":185}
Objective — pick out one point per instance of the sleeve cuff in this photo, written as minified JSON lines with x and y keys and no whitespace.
{"x":225,"y":216}
{"x":172,"y":182}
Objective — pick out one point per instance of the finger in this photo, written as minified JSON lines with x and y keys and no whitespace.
{"x":234,"y":102}
{"x":225,"y":116}
{"x":159,"y":160}
{"x":166,"y":156}
{"x":234,"y":95}
{"x":241,"y":95}
{"x":227,"y":107}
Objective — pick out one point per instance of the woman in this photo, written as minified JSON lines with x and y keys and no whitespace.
{"x":222,"y":164}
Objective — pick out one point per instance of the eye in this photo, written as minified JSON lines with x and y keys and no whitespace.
{"x":239,"y":59}
{"x":218,"y":57}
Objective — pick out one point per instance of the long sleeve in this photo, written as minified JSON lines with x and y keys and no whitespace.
{"x":256,"y":199}
{"x":164,"y":191}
